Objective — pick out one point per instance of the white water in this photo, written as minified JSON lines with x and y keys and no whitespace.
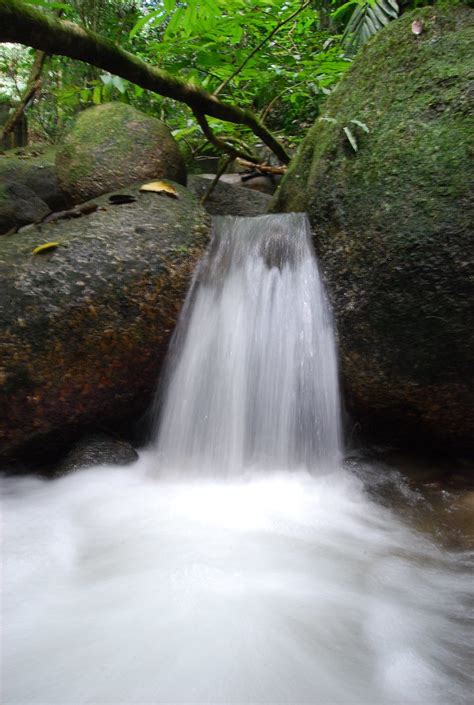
{"x":234,"y":581}
{"x":254,"y":376}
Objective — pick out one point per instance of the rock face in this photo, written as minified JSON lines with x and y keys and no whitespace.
{"x":227,"y":199}
{"x":98,"y":449}
{"x":113,"y":145}
{"x":393,"y":227}
{"x":84,"y":327}
{"x":19,"y":206}
{"x":36,"y":171}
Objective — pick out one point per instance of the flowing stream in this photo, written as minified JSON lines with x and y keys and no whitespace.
{"x":240,"y":560}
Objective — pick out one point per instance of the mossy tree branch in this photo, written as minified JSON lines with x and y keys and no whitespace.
{"x":22,"y":24}
{"x":223,"y":146}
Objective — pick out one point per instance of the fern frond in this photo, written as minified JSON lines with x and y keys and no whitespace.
{"x":368,"y":17}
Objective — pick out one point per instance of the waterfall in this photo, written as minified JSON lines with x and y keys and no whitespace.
{"x":227,"y":565}
{"x":252,"y":380}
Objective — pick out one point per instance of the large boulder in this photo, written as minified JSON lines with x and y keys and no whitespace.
{"x":228,"y":198}
{"x":19,"y":206}
{"x":84,"y":326}
{"x":393,"y":226}
{"x":34,"y":168}
{"x":113,"y":145}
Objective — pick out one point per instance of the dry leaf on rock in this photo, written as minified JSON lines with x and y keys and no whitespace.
{"x":46,"y":247}
{"x":160,"y":187}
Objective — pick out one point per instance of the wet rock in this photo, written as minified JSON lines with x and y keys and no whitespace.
{"x":84,"y":326}
{"x":230,"y":199}
{"x":264,"y":183}
{"x":113,"y":145}
{"x":393,"y":228}
{"x":98,"y":449}
{"x":19,"y":206}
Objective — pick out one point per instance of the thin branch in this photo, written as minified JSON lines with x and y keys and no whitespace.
{"x":263,"y":168}
{"x":270,"y":105}
{"x":221,"y":145}
{"x":259,"y":46}
{"x":222,"y":169}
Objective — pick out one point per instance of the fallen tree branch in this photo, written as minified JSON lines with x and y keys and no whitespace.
{"x":264,"y":168}
{"x":23,"y":24}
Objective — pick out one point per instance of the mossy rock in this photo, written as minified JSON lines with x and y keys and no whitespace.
{"x":393,"y":227}
{"x":19,"y":206}
{"x":85,"y":325}
{"x":34,"y":168}
{"x":114,"y":145}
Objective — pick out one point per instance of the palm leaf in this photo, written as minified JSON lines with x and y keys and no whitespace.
{"x":368,"y":17}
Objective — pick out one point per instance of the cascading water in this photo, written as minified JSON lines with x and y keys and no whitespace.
{"x":254,"y":381}
{"x":209,"y":573}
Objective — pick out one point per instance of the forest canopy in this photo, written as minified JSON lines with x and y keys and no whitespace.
{"x":273,"y":61}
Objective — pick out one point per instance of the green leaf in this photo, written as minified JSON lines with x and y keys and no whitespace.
{"x":144,"y":21}
{"x":119,"y":83}
{"x":368,"y":18}
{"x":49,"y":5}
{"x":185,"y":132}
{"x":343,"y":8}
{"x":362,"y":125}
{"x":351,"y":138}
{"x":97,"y":95}
{"x":106,"y":79}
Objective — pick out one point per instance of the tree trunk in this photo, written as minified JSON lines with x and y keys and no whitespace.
{"x":29,"y":93}
{"x":23,"y":24}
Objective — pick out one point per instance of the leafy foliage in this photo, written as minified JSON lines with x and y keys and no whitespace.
{"x":367,"y":18}
{"x":279,"y":58}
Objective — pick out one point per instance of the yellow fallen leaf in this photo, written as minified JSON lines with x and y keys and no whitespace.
{"x":160,"y":187}
{"x":45,"y":247}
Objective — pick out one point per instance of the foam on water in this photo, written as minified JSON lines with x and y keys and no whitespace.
{"x":236,"y":561}
{"x":278,"y":588}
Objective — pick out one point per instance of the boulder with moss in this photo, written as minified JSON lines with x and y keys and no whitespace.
{"x":19,"y":206}
{"x":34,"y":168}
{"x":386,"y":178}
{"x":113,"y":145}
{"x":85,"y":322}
